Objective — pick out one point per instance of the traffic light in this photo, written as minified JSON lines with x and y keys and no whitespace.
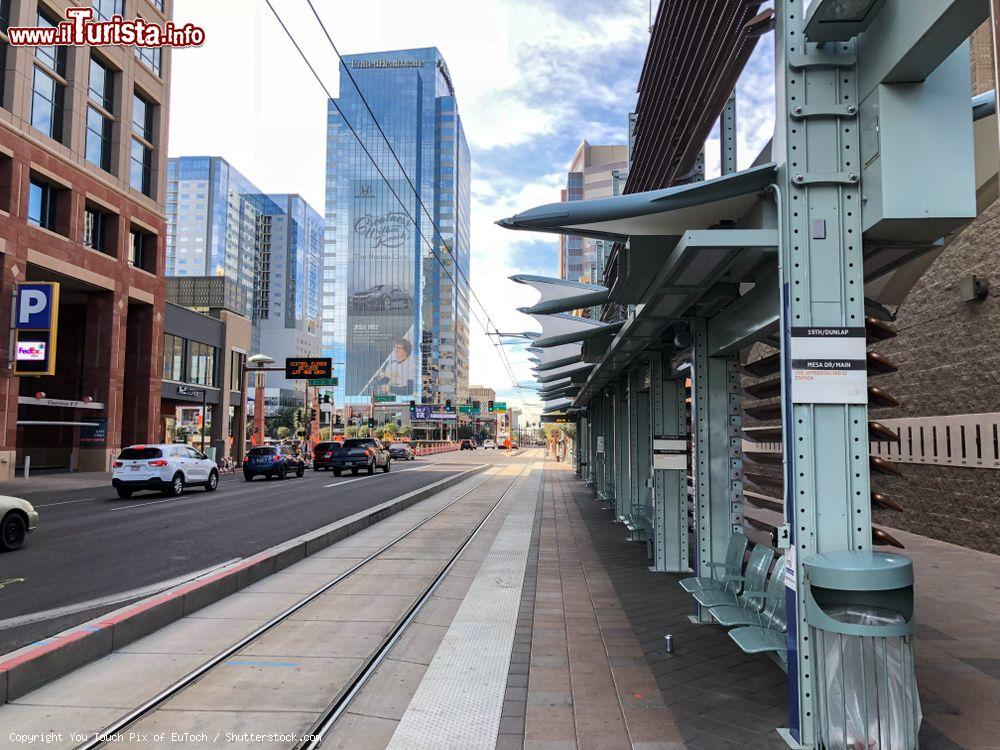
{"x":413,"y":406}
{"x":371,"y":423}
{"x":339,"y":421}
{"x":312,"y":415}
{"x":490,"y":406}
{"x":447,"y":406}
{"x":326,"y":398}
{"x":476,"y":405}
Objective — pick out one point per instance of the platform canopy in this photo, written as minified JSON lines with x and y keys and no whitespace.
{"x":656,"y":213}
{"x":562,"y":328}
{"x":577,"y":371}
{"x":561,"y":295}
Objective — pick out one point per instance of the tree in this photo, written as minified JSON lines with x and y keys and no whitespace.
{"x":351,"y":431}
{"x":324,"y":433}
{"x":284,"y":432}
{"x":284,"y":416}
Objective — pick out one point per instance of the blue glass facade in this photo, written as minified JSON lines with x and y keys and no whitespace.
{"x":392,"y":320}
{"x":221,"y":226}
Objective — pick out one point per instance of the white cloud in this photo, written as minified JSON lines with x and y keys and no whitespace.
{"x":532,"y":79}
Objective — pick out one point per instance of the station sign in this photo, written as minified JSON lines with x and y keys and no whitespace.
{"x":308,"y":368}
{"x":36,"y":324}
{"x":324,"y":382}
{"x":829,"y":365}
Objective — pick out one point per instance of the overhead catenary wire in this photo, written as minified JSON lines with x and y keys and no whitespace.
{"x":431,"y":245}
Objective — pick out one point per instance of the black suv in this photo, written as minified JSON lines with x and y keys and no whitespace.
{"x":273,"y":461}
{"x":323,"y":453}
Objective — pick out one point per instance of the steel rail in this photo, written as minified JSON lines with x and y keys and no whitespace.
{"x":317,"y":733}
{"x":106,"y":735}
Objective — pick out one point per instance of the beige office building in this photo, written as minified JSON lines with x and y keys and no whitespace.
{"x":590,"y":176}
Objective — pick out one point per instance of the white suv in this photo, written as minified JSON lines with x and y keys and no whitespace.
{"x":167,"y":468}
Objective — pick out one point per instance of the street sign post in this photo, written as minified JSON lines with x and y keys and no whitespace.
{"x":324,"y":382}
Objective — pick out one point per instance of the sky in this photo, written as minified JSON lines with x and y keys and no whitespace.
{"x":532,"y":80}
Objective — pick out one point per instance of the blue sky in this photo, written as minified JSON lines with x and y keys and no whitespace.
{"x":532,"y":79}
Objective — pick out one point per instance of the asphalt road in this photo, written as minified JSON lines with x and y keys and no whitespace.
{"x":94,"y":552}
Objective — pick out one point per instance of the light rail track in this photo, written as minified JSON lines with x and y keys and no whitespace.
{"x":314,"y":737}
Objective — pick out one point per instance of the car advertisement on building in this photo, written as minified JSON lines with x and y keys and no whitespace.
{"x":382,"y":357}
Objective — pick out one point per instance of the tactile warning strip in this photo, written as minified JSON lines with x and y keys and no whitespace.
{"x":460,"y":700}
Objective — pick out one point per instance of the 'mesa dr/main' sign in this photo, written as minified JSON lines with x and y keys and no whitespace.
{"x":36,"y":324}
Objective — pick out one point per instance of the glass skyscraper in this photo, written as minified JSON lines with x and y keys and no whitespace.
{"x":395,"y":319}
{"x":231,"y":246}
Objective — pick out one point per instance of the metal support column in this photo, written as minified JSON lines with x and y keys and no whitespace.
{"x":623,"y":482}
{"x":727,"y":135}
{"x":632,"y":510}
{"x":667,"y":416}
{"x":715,"y":408}
{"x":818,"y":144}
{"x":642,"y":513}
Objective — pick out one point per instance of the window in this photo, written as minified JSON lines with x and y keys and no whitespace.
{"x":100,"y":229}
{"x":47,"y":202}
{"x":201,"y":364}
{"x":141,"y":170}
{"x":236,"y":362}
{"x":101,"y":86}
{"x":98,"y":139}
{"x":105,"y":9}
{"x":53,"y":57}
{"x":47,"y":104}
{"x":173,"y":357}
{"x":150,"y":57}
{"x":142,"y":250}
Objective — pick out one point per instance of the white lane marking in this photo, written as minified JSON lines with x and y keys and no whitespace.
{"x":121,"y":596}
{"x":148,"y":503}
{"x":66,"y":502}
{"x":358,"y":479}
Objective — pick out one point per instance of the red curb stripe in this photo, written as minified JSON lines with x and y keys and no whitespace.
{"x":130,"y":612}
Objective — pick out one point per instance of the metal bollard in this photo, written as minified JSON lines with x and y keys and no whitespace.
{"x":669,"y":643}
{"x":27,"y":466}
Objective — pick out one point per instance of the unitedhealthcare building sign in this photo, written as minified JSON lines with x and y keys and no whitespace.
{"x":383,"y":63}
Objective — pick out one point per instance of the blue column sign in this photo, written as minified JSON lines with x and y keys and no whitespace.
{"x":36,"y":323}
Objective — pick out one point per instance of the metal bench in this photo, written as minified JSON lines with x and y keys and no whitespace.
{"x":752,"y":610}
{"x":770,"y":634}
{"x":733,"y":566}
{"x":753,"y":580}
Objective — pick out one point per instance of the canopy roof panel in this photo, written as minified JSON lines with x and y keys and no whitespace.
{"x":669,"y":212}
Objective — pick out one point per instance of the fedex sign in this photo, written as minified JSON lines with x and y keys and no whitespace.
{"x":36,"y":320}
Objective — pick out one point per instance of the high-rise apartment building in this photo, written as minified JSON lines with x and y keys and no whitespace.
{"x":82,"y":165}
{"x":397,"y":247}
{"x":591,"y":175}
{"x":232,"y":247}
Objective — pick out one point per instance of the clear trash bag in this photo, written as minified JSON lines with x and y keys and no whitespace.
{"x":871,"y":700}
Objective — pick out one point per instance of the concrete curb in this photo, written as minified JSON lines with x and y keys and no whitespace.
{"x":31,"y":667}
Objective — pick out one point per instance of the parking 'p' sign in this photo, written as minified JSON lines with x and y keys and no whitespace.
{"x":34,"y":305}
{"x":36,"y":318}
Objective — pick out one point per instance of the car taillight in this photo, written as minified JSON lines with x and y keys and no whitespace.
{"x":118,"y":464}
{"x":158,"y":462}
{"x":246,"y":459}
{"x":275,"y":458}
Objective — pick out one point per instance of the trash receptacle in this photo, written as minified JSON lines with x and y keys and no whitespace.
{"x":859,"y":607}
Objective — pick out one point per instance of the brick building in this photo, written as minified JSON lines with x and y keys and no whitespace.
{"x":83,"y":136}
{"x":948,"y":384}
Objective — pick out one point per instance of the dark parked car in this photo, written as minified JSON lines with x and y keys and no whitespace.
{"x":467,"y":445}
{"x":273,"y":461}
{"x":359,"y":453}
{"x":382,"y":297}
{"x":402,"y":452}
{"x":322,"y":454}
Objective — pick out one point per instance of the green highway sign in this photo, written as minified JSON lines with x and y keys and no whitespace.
{"x":384,"y":399}
{"x":468,"y":409}
{"x":320,"y":382}
{"x":499,"y":406}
